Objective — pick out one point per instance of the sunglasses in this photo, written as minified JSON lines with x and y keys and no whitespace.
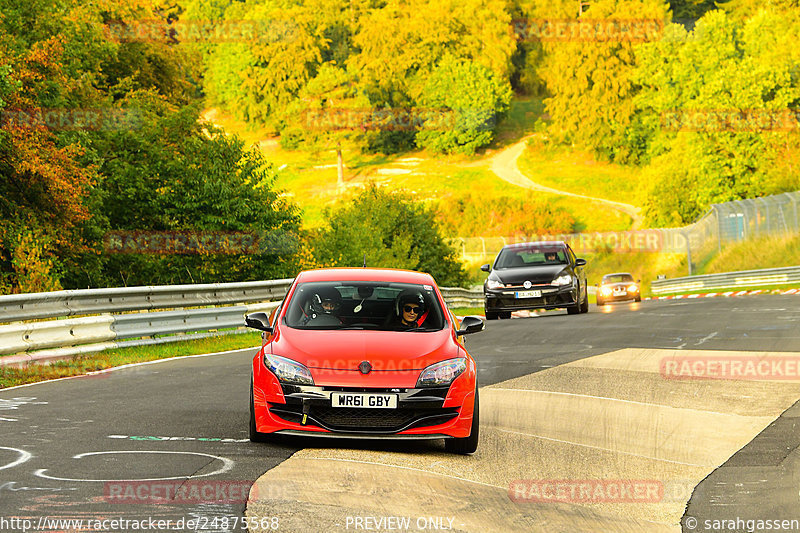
{"x":412,"y":309}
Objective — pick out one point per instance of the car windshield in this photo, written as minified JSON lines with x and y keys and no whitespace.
{"x":367,"y":305}
{"x":515,"y":257}
{"x":618,"y":278}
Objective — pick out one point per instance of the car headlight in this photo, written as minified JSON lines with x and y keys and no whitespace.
{"x":288,"y":371}
{"x":632,"y":288}
{"x":492,"y":284}
{"x":605,"y":291}
{"x":443,"y":373}
{"x":565,"y":279}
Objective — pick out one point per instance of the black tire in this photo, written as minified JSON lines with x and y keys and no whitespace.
{"x":574,"y":309}
{"x":255,"y":435}
{"x":504,"y":314}
{"x":585,"y":304}
{"x":491,"y":315}
{"x":638,"y":299}
{"x":467,"y":445}
{"x":600,"y":302}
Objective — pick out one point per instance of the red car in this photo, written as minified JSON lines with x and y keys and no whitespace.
{"x":365,"y":353}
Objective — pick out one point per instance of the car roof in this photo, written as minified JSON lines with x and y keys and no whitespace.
{"x":534,"y":243}
{"x":366,"y":274}
{"x":618,"y":274}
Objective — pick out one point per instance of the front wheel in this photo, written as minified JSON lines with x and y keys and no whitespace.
{"x":585,"y":304}
{"x":490,"y":315}
{"x":505,"y":315}
{"x":466,"y":445}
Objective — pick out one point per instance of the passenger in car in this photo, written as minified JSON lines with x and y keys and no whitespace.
{"x":409,"y":311}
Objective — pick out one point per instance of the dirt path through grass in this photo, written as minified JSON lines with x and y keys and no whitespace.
{"x":504,"y":164}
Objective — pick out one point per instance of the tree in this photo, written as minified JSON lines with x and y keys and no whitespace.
{"x":588,"y":73}
{"x":721,"y":99}
{"x":258,"y":78}
{"x":175,"y":174}
{"x":43,"y":187}
{"x":331,"y":110}
{"x":405,"y":40}
{"x":464,"y":101}
{"x":65,"y":183}
{"x":392,"y":230}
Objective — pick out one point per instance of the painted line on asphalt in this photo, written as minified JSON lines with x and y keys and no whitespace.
{"x":23,"y":456}
{"x":227,"y":465}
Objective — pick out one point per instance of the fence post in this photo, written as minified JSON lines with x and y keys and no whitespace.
{"x":687,"y":236}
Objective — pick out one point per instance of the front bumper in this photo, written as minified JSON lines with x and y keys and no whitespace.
{"x":500,"y":300}
{"x":620,"y":298}
{"x":440,"y":412}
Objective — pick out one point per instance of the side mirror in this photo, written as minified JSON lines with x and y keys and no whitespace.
{"x":486,"y":268}
{"x":258,"y":321}
{"x":470,"y":324}
{"x":580,"y":262}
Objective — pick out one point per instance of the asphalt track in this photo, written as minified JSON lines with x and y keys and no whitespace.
{"x":567,"y":414}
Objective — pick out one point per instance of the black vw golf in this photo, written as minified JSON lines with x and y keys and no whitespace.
{"x":535,"y":275}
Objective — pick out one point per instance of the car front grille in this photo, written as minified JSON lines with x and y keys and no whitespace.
{"x":365,"y":420}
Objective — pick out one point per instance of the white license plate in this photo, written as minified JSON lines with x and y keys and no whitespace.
{"x":367,"y":401}
{"x":529,"y":294}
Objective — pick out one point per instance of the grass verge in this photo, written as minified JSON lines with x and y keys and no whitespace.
{"x":579,"y":173}
{"x":464,"y":311}
{"x":10,"y":376}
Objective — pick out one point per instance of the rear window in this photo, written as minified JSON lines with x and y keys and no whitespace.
{"x":365,"y":305}
{"x":530,"y":256}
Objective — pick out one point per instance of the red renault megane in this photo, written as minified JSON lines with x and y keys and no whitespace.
{"x":364,"y":352}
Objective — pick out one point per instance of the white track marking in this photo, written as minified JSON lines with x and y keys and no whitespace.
{"x":227,"y":465}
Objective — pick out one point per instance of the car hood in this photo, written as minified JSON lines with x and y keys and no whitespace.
{"x":345,"y":350}
{"x":534,"y":274}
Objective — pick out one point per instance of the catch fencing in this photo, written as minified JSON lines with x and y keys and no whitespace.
{"x":722,"y":224}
